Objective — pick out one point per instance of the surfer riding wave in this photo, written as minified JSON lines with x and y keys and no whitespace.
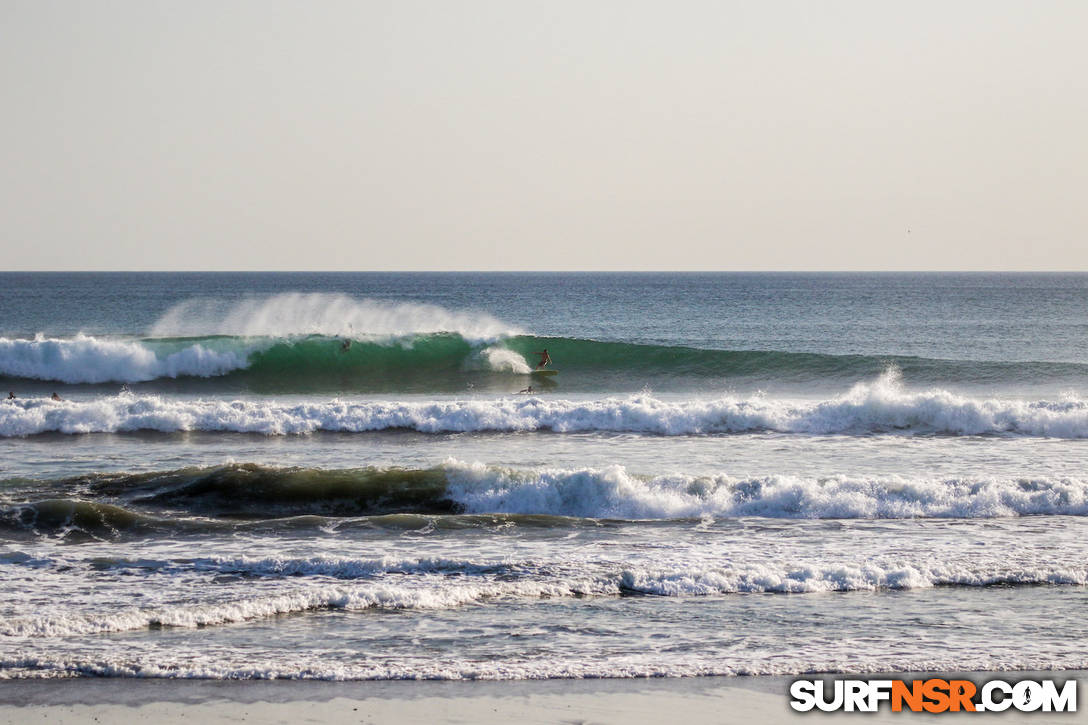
{"x":545,"y":359}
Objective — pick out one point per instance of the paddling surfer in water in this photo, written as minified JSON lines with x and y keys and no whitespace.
{"x":545,"y":359}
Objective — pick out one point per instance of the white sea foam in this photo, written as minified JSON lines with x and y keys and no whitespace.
{"x":500,"y":359}
{"x":881,"y":407}
{"x":316,"y":566}
{"x":582,"y":580}
{"x":85,"y":359}
{"x":612,"y":492}
{"x":140,"y":661}
{"x":429,"y":586}
{"x":377,"y":595}
{"x":776,"y":579}
{"x":286,"y":315}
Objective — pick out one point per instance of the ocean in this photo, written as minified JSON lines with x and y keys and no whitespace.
{"x":344,"y":476}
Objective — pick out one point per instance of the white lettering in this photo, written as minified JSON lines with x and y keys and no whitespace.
{"x":1065,"y":701}
{"x":1027,"y":696}
{"x":855,"y":696}
{"x":803,"y":693}
{"x":821,"y":698}
{"x":880,"y":690}
{"x":988,"y":701}
{"x":993,"y":696}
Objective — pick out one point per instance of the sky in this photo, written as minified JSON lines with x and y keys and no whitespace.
{"x":507,"y":135}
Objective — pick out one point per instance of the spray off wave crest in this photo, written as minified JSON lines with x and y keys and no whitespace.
{"x":451,"y":360}
{"x":284,"y":365}
{"x":296,"y":314}
{"x":287,"y":336}
{"x":879,"y":407}
{"x":321,"y":342}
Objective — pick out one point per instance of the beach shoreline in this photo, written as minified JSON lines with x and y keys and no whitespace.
{"x":696,"y":700}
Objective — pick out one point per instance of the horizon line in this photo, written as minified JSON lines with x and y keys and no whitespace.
{"x":544,"y":271}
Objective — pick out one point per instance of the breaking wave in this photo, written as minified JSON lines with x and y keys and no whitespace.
{"x":107,"y":506}
{"x":85,"y":359}
{"x":327,"y":315}
{"x":878,"y":407}
{"x":308,"y":342}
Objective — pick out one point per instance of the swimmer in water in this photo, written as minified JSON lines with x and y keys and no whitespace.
{"x":56,"y":397}
{"x":527,"y":391}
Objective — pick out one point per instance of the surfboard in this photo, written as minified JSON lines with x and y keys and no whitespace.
{"x":545,"y":372}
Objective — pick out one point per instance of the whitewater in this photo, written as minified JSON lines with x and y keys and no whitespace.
{"x":230,"y":335}
{"x":118,"y":502}
{"x":880,"y":407}
{"x":346,"y":476}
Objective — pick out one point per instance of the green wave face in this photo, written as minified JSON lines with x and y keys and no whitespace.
{"x":433,"y":362}
{"x":437,"y":363}
{"x":74,"y":521}
{"x":667,"y":361}
{"x":253,"y":491}
{"x":106,"y":505}
{"x":449,"y":363}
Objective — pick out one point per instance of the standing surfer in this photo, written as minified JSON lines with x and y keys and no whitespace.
{"x":545,"y":359}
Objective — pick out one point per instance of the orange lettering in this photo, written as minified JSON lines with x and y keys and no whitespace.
{"x":961,"y":692}
{"x":936,"y":691}
{"x":912,"y":695}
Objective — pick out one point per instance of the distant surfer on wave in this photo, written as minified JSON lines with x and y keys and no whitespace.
{"x":526,"y":391}
{"x":545,"y":359}
{"x":11,"y":395}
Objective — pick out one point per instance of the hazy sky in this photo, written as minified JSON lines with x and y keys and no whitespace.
{"x":543,"y":135}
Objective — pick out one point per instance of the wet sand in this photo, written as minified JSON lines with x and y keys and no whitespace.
{"x":686,"y":701}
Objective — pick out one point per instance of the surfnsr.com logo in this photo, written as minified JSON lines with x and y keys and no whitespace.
{"x":933,"y":695}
